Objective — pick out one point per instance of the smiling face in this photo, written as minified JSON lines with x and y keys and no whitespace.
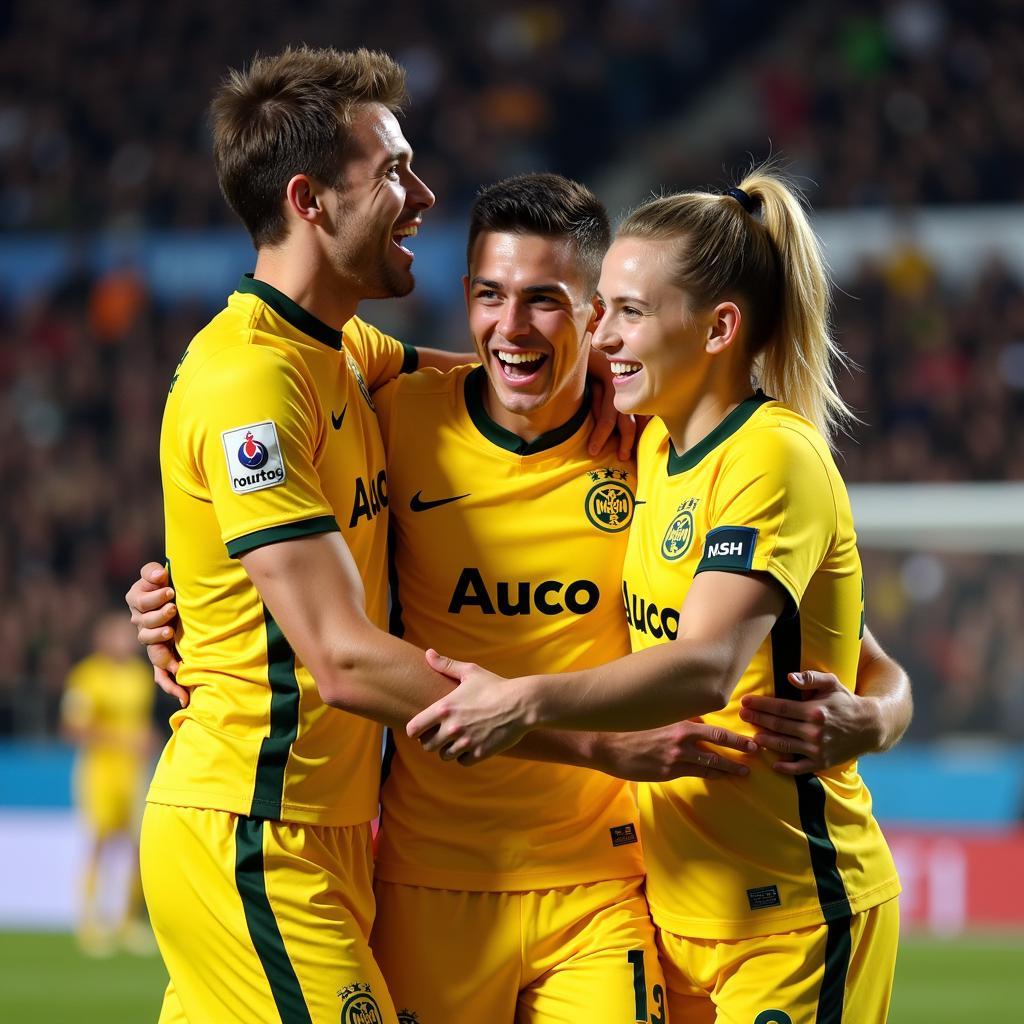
{"x":379,"y":203}
{"x":655,"y":342}
{"x":531,"y":314}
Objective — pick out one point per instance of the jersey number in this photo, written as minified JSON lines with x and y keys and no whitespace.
{"x":636,"y":958}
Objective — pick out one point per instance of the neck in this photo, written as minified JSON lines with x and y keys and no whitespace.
{"x":717,"y":398}
{"x":308,"y":281}
{"x":529,"y":426}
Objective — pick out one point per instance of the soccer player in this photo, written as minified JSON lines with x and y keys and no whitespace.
{"x":106,"y":711}
{"x":507,"y":543}
{"x":774,"y":897}
{"x":255,"y":855}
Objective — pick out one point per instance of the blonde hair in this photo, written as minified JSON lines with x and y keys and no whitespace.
{"x":759,"y":249}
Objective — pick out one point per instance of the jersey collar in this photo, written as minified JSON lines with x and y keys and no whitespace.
{"x":476,"y":381}
{"x":692,"y":456}
{"x":291,"y":311}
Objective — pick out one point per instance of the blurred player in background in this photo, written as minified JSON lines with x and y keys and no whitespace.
{"x":775,"y":897}
{"x":107,"y":712}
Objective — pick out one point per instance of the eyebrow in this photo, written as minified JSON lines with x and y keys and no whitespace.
{"x":533,"y":289}
{"x":396,"y":156}
{"x":624,"y":298}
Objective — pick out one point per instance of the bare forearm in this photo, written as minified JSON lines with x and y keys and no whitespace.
{"x":885,"y":686}
{"x":381,"y":677}
{"x":650,"y":688}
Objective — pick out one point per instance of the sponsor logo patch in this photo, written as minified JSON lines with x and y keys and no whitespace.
{"x":729,"y":547}
{"x":254,"y":457}
{"x":764,"y":897}
{"x":623,"y":835}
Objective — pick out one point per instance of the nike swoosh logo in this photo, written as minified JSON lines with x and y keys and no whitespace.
{"x":336,"y":421}
{"x":417,"y":504}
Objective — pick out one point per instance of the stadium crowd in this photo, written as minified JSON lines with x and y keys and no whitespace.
{"x":82,"y":385}
{"x":90,"y":144}
{"x":854,"y":101}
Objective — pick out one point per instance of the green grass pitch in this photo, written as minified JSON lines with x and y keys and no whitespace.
{"x":45,"y":980}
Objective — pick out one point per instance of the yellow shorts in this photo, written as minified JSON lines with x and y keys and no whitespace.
{"x":109,"y":793}
{"x":262,"y":921}
{"x":834,"y":973}
{"x":584,"y":955}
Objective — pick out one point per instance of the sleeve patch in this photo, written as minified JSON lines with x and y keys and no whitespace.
{"x":254,"y":457}
{"x":729,"y":547}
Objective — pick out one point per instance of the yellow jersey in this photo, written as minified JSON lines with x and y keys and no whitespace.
{"x":115,"y":698}
{"x":508,"y":554}
{"x":269,"y":433}
{"x":733,"y":858}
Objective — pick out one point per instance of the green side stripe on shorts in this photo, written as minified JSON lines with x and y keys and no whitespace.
{"x":838,"y":949}
{"x":284,"y":723}
{"x":263,"y":929}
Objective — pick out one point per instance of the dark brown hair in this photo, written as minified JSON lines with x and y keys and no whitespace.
{"x":550,"y":206}
{"x":286,"y":115}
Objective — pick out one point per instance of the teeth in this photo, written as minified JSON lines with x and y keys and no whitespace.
{"x":520,"y":357}
{"x":619,"y":369}
{"x":409,"y":232}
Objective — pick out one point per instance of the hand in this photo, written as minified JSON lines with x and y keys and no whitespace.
{"x":155,"y":617}
{"x":477,"y":720}
{"x":830,"y":726}
{"x":607,"y":419}
{"x":674,"y":751}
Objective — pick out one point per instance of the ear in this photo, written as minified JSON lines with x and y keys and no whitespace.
{"x":301,"y":195}
{"x":724,"y":327}
{"x":465,"y":288}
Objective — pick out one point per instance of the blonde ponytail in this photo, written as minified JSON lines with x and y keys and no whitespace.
{"x":798,"y":366}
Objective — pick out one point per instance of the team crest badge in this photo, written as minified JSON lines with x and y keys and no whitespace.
{"x":361,"y":381}
{"x":609,"y":503}
{"x":358,"y":1005}
{"x":678,"y":537}
{"x":408,"y":1017}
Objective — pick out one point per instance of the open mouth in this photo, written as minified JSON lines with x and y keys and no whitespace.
{"x":520,"y":366}
{"x":623,"y":371}
{"x":409,"y":231}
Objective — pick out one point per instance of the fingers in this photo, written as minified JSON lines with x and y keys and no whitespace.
{"x":449,"y":667}
{"x":429,"y":718}
{"x":144,"y":602}
{"x":166,"y":683}
{"x":787,"y":745}
{"x":164,"y":656}
{"x":155,"y":573}
{"x":814,"y":680}
{"x":797,"y":710}
{"x":806,"y":726}
{"x":711,"y":761}
{"x":155,"y":624}
{"x":722,"y":737}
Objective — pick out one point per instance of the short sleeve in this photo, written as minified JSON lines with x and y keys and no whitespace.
{"x":250,"y":427}
{"x":772,"y":510}
{"x":381,"y":357}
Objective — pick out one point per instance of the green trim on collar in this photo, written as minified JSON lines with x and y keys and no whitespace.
{"x":476,"y":381}
{"x":291,"y":311}
{"x":692,"y":456}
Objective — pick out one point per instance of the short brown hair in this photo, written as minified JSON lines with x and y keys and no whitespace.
{"x":286,"y":115}
{"x":550,"y":206}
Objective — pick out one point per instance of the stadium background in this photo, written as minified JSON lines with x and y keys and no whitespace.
{"x":903,"y":120}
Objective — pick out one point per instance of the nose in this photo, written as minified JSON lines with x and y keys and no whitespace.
{"x":515,"y":321}
{"x":417,"y":195}
{"x":606,"y":338}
